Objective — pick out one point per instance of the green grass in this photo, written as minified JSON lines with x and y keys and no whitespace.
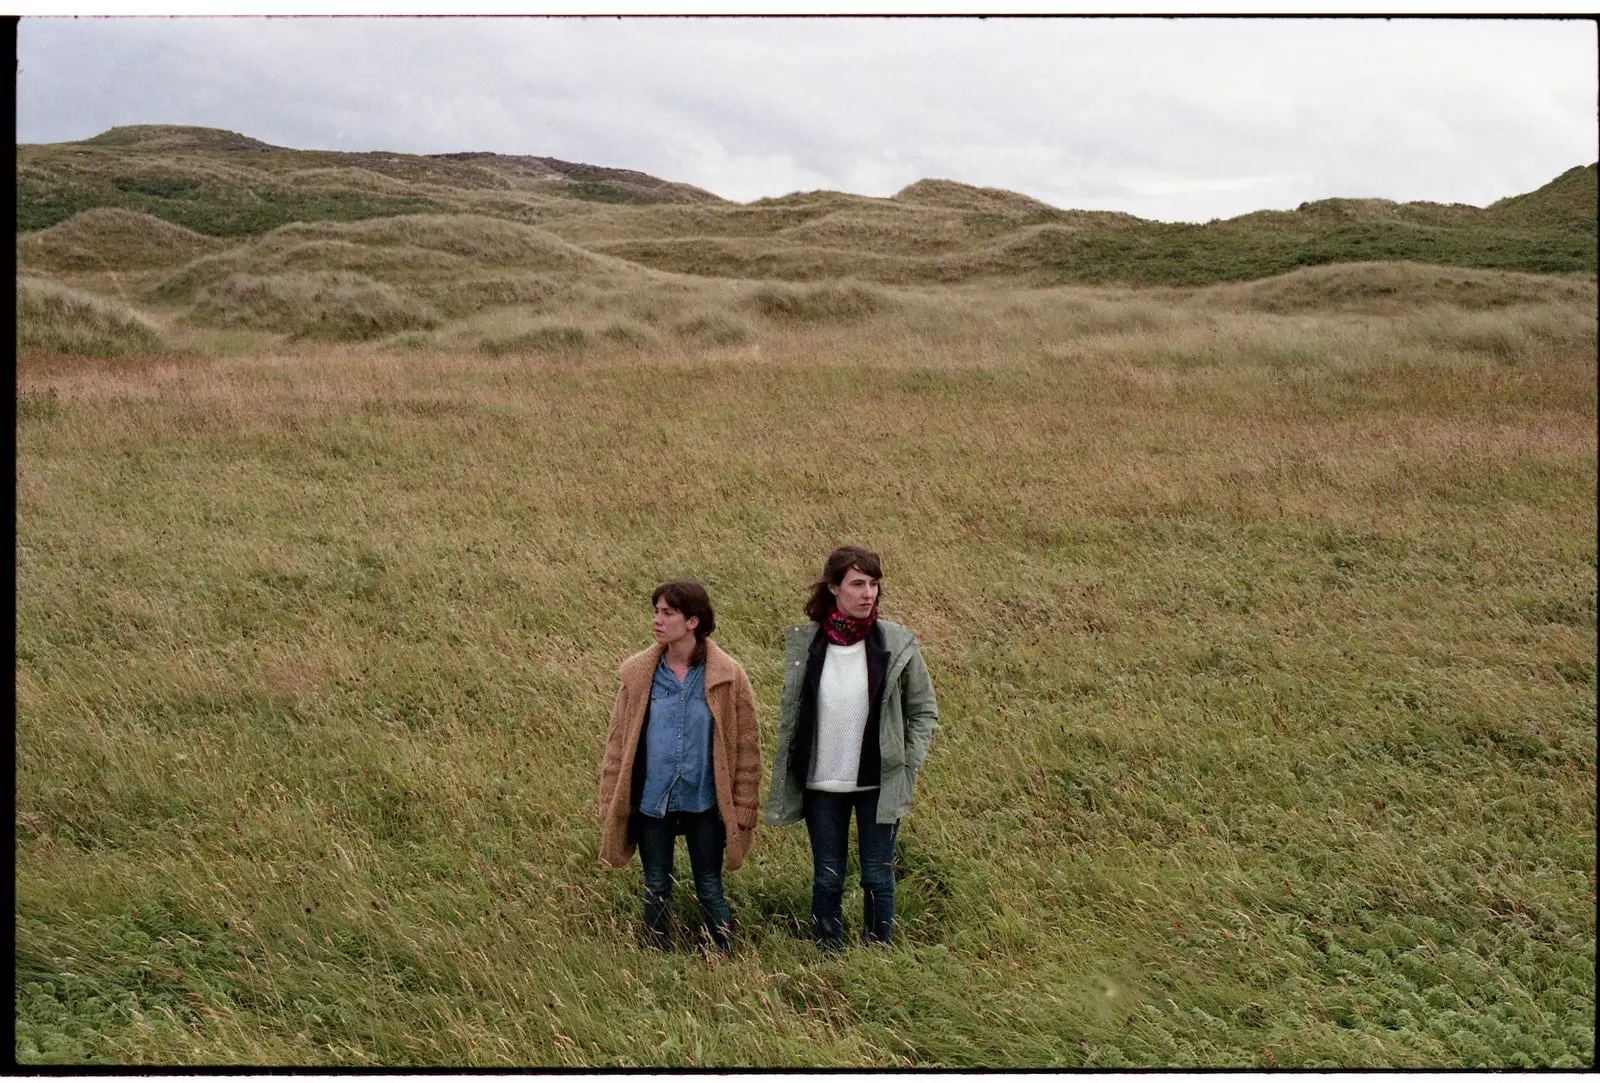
{"x":1264,"y":647}
{"x":1232,"y":251}
{"x":216,"y":210}
{"x":1571,"y":199}
{"x":601,"y":192}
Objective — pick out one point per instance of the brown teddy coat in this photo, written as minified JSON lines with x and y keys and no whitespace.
{"x":735,"y":752}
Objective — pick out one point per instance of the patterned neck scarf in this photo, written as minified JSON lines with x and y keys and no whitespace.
{"x":848,"y":631}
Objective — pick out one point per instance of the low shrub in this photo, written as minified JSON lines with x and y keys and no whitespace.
{"x":551,"y":338}
{"x":601,"y":192}
{"x":714,"y":328}
{"x":628,"y":333}
{"x":165,"y":187}
{"x":826,"y":303}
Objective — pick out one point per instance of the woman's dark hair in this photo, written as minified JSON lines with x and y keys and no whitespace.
{"x":688,"y":597}
{"x":834,"y":569}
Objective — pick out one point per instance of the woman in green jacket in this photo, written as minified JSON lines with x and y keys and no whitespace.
{"x":857,"y":717}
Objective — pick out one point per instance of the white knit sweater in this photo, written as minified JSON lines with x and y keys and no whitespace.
{"x":841,"y":720}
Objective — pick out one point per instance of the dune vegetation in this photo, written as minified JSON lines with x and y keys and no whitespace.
{"x":1254,"y":563}
{"x":52,"y":318}
{"x":934,"y":232}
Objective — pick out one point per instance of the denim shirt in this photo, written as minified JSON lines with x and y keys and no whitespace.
{"x":677,"y":765}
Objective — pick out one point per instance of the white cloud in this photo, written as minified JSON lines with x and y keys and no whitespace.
{"x":1188,"y":118}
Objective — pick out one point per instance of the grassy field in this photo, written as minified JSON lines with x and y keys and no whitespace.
{"x":1262,"y":618}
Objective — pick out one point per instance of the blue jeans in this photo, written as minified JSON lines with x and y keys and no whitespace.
{"x":828,"y":824}
{"x":706,"y":838}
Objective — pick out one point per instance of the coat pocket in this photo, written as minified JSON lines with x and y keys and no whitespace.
{"x":891,"y":731}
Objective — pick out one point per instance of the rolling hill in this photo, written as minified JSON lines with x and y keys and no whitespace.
{"x":181,"y":219}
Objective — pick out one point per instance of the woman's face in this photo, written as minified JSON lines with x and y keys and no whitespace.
{"x":670,"y":626}
{"x":856,"y":594}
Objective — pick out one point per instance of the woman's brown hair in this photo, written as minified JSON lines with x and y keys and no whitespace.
{"x":688,"y":597}
{"x":834,"y":569}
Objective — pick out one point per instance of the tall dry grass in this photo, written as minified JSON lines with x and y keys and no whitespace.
{"x":1264,"y":645}
{"x":58,"y":319}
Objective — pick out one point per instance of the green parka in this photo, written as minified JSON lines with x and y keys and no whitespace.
{"x":907,"y":717}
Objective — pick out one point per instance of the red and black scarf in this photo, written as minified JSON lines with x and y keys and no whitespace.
{"x":848,"y":631}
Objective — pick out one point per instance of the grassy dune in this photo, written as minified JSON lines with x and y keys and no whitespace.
{"x":110,"y":239}
{"x":1262,"y":618}
{"x":58,"y":319}
{"x":233,"y":188}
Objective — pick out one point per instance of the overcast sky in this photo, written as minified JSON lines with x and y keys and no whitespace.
{"x":1171,"y":119}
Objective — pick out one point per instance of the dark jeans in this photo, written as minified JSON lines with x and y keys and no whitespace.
{"x":706,"y":838}
{"x":828,"y":824}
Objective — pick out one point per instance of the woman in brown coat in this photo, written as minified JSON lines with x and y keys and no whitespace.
{"x":683,"y":758}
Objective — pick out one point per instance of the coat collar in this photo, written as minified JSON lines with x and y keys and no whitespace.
{"x":720,"y":666}
{"x":639,"y":670}
{"x":896,"y":637}
{"x":877,"y":638}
